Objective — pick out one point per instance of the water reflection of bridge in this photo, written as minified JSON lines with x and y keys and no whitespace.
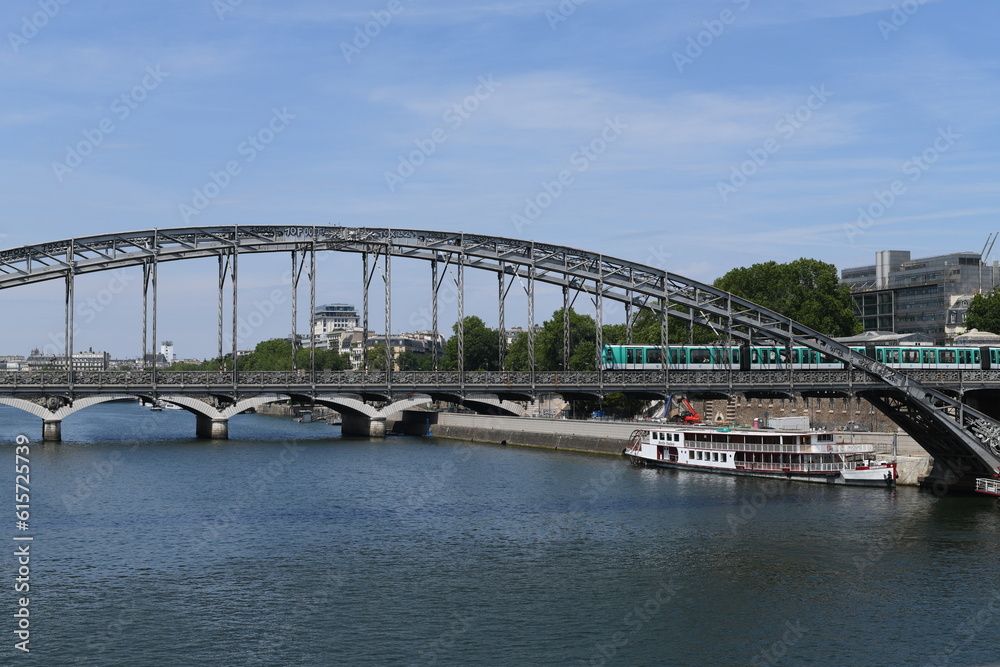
{"x":947,"y":412}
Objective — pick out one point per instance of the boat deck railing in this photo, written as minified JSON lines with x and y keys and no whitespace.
{"x":797,"y":467}
{"x":835,"y":448}
{"x":987,"y":485}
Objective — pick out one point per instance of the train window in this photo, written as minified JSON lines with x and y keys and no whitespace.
{"x":783,"y":355}
{"x":700,"y":356}
{"x":975,"y":357}
{"x":911,"y":356}
{"x":675,"y":356}
{"x":735,"y":355}
{"x":929,"y":356}
{"x":609,"y":356}
{"x":891,"y":355}
{"x":965,"y":357}
{"x":880,"y":355}
{"x":946,"y":356}
{"x":629,"y":356}
{"x":654,"y":355}
{"x":754,"y":356}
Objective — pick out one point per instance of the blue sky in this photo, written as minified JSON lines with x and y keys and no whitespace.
{"x":695,"y":136}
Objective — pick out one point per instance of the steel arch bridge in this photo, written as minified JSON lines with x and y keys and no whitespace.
{"x":963,"y":441}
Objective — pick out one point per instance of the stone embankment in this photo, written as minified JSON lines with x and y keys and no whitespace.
{"x":602,"y":437}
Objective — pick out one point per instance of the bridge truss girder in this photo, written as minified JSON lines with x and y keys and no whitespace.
{"x":602,"y":277}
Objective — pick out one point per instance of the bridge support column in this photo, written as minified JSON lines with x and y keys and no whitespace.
{"x":212,"y":429}
{"x":943,"y":480}
{"x":372,"y":427}
{"x":52,"y":430}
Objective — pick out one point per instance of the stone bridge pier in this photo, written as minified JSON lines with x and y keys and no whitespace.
{"x":211,"y":428}
{"x":362,"y":425}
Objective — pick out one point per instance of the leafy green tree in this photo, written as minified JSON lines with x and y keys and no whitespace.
{"x":276,"y":355}
{"x":984,"y":312}
{"x":806,"y":290}
{"x":414,"y":361}
{"x":549,"y":345}
{"x":481,"y":345}
{"x":646,"y":331}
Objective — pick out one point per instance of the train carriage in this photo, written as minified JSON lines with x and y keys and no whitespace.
{"x":759,"y":357}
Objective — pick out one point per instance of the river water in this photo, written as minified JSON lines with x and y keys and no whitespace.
{"x":289,"y":545}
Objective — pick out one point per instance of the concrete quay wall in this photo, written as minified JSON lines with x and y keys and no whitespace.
{"x":611,"y":437}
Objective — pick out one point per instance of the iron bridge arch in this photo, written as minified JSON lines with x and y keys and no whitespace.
{"x":963,"y":441}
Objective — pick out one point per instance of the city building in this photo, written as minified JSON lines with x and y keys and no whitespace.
{"x":925,"y":296}
{"x":330,"y":320}
{"x":82,"y":361}
{"x":12,"y":363}
{"x":415,"y":343}
{"x":167,"y":351}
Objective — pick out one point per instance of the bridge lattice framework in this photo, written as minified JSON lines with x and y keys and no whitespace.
{"x":964,"y":441}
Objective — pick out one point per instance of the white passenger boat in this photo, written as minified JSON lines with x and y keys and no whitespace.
{"x":808,"y":456}
{"x":990,"y":487}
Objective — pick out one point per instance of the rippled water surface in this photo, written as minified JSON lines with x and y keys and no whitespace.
{"x":288,"y":544}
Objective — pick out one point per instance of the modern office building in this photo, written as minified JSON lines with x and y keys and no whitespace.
{"x":331,"y":321}
{"x":909,"y":296}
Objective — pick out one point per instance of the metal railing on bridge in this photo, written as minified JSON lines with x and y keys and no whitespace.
{"x":540,"y":380}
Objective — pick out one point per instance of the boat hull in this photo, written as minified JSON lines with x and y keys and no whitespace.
{"x":876,"y":478}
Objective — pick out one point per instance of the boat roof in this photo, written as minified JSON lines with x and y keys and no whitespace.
{"x":743,"y":430}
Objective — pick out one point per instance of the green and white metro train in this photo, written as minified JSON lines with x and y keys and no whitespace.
{"x":754,"y":357}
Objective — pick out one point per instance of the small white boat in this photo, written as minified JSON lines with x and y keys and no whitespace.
{"x":807,"y":456}
{"x":990,"y":487}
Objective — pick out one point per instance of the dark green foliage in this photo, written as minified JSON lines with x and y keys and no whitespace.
{"x":276,"y":355}
{"x":984,"y":312}
{"x":806,"y":290}
{"x":482,"y":347}
{"x":549,"y":345}
{"x":412,"y":361}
